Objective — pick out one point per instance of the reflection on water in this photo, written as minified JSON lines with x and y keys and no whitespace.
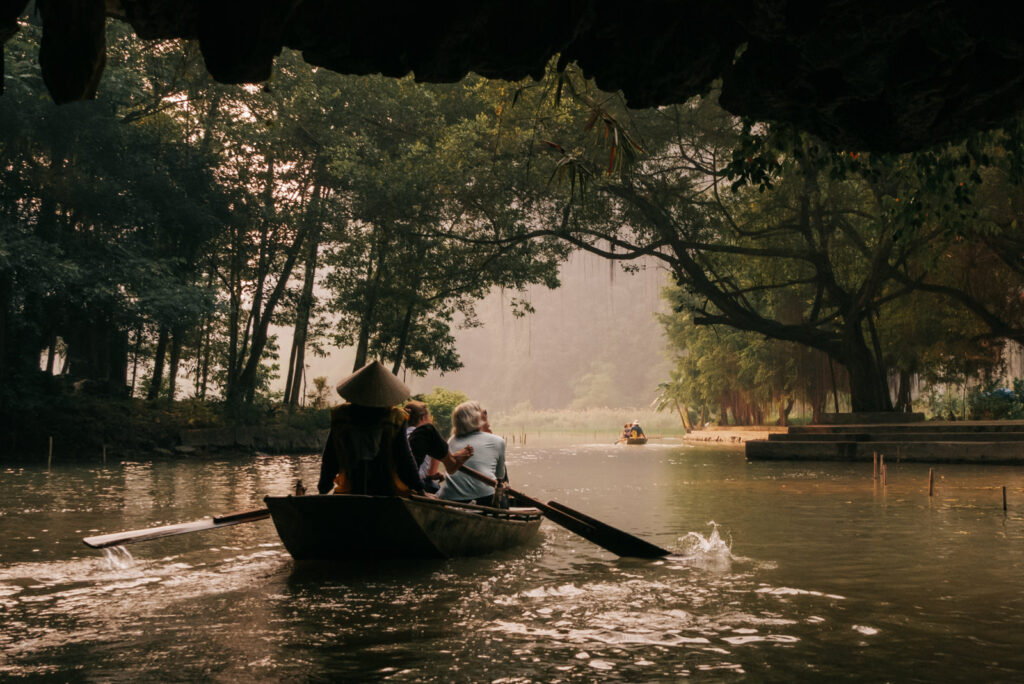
{"x":808,"y":572}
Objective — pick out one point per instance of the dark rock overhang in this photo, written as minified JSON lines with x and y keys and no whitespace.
{"x":883,"y":76}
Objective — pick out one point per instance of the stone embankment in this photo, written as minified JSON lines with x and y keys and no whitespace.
{"x":731,"y":435}
{"x":981,"y":442}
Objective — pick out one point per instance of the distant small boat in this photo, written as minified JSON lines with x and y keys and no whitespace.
{"x":636,"y":440}
{"x":356,"y":527}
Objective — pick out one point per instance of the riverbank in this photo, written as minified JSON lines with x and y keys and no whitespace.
{"x":83,"y":427}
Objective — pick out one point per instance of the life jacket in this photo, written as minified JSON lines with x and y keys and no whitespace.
{"x":364,"y":451}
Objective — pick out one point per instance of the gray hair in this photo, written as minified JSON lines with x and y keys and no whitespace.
{"x":466,"y":418}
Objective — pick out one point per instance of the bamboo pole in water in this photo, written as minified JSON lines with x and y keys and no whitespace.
{"x":885,"y":476}
{"x":49,"y":456}
{"x":1004,"y":497}
{"x":931,"y":482}
{"x":875,"y":471}
{"x":104,"y":454}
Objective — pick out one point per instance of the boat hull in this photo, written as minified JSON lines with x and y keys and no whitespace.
{"x":637,"y":441}
{"x":354,"y":527}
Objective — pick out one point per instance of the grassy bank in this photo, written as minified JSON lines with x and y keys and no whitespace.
{"x":606,"y":422}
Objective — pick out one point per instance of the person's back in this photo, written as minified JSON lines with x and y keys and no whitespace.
{"x":468,"y":422}
{"x":488,"y":458}
{"x":363,"y":442}
{"x":366,"y":450}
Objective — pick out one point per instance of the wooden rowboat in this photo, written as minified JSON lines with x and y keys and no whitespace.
{"x":356,"y":527}
{"x":636,"y":440}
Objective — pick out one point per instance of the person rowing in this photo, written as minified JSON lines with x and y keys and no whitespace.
{"x":366,"y":450}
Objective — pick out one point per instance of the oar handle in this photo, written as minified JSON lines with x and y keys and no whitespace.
{"x":477,"y":475}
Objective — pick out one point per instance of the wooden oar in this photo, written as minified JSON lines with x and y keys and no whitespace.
{"x":131,"y":536}
{"x":604,"y":535}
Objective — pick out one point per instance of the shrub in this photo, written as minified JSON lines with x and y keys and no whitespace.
{"x":442,"y":402}
{"x":988,"y":402}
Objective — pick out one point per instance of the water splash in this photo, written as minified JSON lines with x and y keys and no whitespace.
{"x":118,"y":558}
{"x":710,"y":552}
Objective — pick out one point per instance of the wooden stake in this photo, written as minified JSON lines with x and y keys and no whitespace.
{"x":49,"y":457}
{"x":931,"y":482}
{"x":104,"y":454}
{"x":1004,"y":497}
{"x":875,"y":471}
{"x":885,"y":475}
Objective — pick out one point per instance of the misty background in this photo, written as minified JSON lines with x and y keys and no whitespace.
{"x":593,"y":342}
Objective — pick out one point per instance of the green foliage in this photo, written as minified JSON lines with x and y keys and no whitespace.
{"x":991,"y":402}
{"x":442,"y":403}
{"x":422,"y":187}
{"x":320,"y":395}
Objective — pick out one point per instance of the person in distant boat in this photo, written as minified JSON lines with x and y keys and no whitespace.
{"x":366,"y":450}
{"x":625,"y":432}
{"x":488,"y":456}
{"x":429,"y":448}
{"x":635,"y":431}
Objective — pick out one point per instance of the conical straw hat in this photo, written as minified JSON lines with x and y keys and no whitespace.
{"x":373,"y":385}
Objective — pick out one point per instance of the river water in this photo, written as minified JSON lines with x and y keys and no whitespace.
{"x":781,"y":572}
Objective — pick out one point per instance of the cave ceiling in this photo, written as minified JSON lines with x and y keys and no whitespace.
{"x":867,"y":75}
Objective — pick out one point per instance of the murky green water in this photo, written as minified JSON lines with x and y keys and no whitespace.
{"x":808,"y":572}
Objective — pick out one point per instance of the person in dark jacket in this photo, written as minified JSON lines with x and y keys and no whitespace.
{"x":429,"y":448}
{"x":366,"y":450}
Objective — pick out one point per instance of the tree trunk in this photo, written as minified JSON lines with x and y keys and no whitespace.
{"x":869,"y":391}
{"x":288,"y":400}
{"x":6,"y":292}
{"x":158,"y":365}
{"x":172,"y":371}
{"x":684,"y":415}
{"x":51,"y":354}
{"x":403,"y":339}
{"x":117,"y":366}
{"x":297,"y":364}
{"x":234,"y":312}
{"x":363,"y":344}
{"x":207,"y":352}
{"x":135,"y":359}
{"x":246,"y":386}
{"x":904,"y":403}
{"x":785,"y":407}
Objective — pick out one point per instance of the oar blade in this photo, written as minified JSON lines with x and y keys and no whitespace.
{"x":132,"y":536}
{"x":604,"y":535}
{"x":611,"y":538}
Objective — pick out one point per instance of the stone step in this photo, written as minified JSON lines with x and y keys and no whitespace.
{"x":903,"y":428}
{"x":996,"y":453}
{"x":885,"y":435}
